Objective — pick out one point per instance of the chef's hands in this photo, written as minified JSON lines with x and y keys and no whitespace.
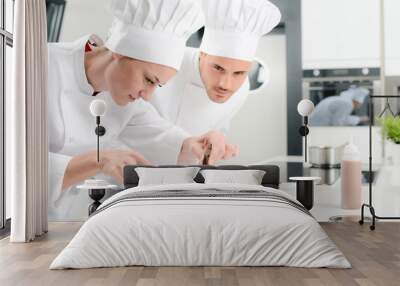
{"x":194,"y":148}
{"x":364,"y":119}
{"x":112,"y":162}
{"x":220,"y":149}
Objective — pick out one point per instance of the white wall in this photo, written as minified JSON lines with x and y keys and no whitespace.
{"x":83,"y":17}
{"x":260,"y":127}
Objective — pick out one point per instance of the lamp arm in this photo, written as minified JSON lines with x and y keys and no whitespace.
{"x":305,"y":147}
{"x":305,"y":138}
{"x":98,"y":139}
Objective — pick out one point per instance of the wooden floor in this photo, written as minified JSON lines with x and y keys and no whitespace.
{"x":375,"y":257}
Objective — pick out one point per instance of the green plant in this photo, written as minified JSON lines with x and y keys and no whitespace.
{"x":391,"y":128}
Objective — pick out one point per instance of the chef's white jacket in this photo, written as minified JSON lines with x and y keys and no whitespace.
{"x":71,"y":126}
{"x":334,"y":111}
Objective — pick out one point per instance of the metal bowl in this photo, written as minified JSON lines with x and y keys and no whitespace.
{"x":325,"y":156}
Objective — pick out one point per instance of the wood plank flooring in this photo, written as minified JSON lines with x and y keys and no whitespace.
{"x":375,"y":257}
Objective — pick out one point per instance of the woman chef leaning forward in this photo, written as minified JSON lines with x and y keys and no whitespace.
{"x":144,"y":51}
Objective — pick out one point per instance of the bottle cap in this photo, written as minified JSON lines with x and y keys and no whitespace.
{"x":351,"y":151}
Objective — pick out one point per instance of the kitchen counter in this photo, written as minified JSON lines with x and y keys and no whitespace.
{"x":327,"y":197}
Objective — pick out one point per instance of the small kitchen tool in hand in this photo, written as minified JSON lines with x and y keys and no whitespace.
{"x":207,"y":155}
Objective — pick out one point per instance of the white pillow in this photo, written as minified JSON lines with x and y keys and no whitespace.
{"x":162,"y":176}
{"x":248,"y":177}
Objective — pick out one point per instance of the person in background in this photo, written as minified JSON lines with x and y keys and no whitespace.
{"x":337,"y":110}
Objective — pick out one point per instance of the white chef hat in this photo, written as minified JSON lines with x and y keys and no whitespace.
{"x":153,"y":30}
{"x":355,"y":93}
{"x":234,"y":27}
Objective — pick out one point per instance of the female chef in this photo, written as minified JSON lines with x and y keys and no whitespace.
{"x":144,"y":51}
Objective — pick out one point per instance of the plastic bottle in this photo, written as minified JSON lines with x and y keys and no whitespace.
{"x":351,"y":177}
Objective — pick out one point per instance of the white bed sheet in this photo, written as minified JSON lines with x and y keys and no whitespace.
{"x":200,"y":232}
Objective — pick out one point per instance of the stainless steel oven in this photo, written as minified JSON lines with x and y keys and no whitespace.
{"x":319,"y":84}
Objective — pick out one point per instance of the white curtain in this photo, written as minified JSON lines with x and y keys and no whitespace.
{"x":26,"y":123}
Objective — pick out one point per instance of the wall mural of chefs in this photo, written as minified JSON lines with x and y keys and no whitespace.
{"x":165,"y":103}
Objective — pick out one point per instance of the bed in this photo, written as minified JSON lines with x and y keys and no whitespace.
{"x":201,"y":224}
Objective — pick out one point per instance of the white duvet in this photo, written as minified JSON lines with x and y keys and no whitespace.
{"x":200,"y":231}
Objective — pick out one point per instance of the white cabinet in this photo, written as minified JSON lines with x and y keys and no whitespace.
{"x":392,"y":37}
{"x":341,"y":33}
